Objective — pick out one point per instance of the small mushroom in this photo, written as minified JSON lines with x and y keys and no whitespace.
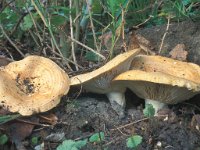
{"x":32,"y":85}
{"x":98,"y":81}
{"x":160,"y":80}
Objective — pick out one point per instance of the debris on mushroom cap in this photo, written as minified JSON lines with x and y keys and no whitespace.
{"x":98,"y":81}
{"x":32,"y":85}
{"x":162,"y":79}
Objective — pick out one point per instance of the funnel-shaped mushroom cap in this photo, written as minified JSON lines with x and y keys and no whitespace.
{"x":32,"y":85}
{"x":162,"y":79}
{"x":98,"y":81}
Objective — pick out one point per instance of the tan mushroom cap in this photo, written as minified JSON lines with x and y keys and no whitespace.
{"x":32,"y":85}
{"x":98,"y":81}
{"x":162,"y":79}
{"x":189,"y":71}
{"x":158,"y":86}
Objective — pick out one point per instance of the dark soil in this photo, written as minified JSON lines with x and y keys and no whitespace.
{"x":91,"y":113}
{"x":187,"y":33}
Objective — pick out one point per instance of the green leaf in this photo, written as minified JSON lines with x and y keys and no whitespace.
{"x":71,"y":145}
{"x":90,"y":56}
{"x":27,"y":22}
{"x":3,"y":139}
{"x":133,"y":141}
{"x":149,"y":110}
{"x":97,"y":137}
{"x":6,"y":118}
{"x":57,"y":20}
{"x":35,"y":140}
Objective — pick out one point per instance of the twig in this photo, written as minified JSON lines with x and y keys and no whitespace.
{"x":66,"y":59}
{"x":163,"y":38}
{"x":88,"y":48}
{"x":77,"y":23}
{"x":33,"y":123}
{"x":137,"y":26}
{"x":72,"y":35}
{"x":122,"y":29}
{"x":7,"y":4}
{"x":92,"y":27}
{"x":129,"y":124}
{"x":11,"y":42}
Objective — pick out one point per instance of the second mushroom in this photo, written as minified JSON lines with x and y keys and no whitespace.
{"x":160,"y":80}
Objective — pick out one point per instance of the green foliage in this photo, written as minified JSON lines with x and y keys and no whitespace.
{"x":34,"y":140}
{"x":90,"y":56}
{"x":97,"y":137}
{"x":6,"y":118}
{"x":9,"y":18}
{"x":71,"y":145}
{"x":3,"y":139}
{"x":134,"y":141}
{"x":149,"y":110}
{"x":180,"y":9}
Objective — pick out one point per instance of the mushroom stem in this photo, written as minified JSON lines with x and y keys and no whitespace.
{"x":118,"y":102}
{"x":156,"y":104}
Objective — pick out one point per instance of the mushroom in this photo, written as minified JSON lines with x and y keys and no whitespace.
{"x":160,"y":80}
{"x":98,"y":81}
{"x":32,"y":85}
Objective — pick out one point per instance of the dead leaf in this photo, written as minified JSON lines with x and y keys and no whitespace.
{"x":145,"y":44}
{"x":51,"y":119}
{"x":179,"y":52}
{"x":18,"y":130}
{"x":106,"y":39}
{"x":133,"y":41}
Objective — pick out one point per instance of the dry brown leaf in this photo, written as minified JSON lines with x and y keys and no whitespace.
{"x":179,"y":52}
{"x":49,"y":118}
{"x":133,"y":41}
{"x":145,"y":44}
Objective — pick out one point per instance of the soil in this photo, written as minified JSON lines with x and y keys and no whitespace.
{"x":91,"y":113}
{"x":187,"y":33}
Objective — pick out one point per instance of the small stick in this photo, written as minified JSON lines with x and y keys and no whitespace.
{"x":88,"y":48}
{"x":72,"y":35}
{"x":163,"y":38}
{"x":126,"y":125}
{"x":11,"y":42}
{"x":33,"y":123}
{"x":92,"y":26}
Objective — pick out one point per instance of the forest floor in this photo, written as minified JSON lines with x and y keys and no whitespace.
{"x":91,"y":113}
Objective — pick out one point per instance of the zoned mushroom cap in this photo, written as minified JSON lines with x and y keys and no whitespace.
{"x":162,"y":79}
{"x":32,"y":85}
{"x":98,"y":81}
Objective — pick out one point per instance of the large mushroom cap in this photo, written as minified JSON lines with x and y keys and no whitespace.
{"x":98,"y":81}
{"x":32,"y":85}
{"x":188,"y":71}
{"x":162,"y":79}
